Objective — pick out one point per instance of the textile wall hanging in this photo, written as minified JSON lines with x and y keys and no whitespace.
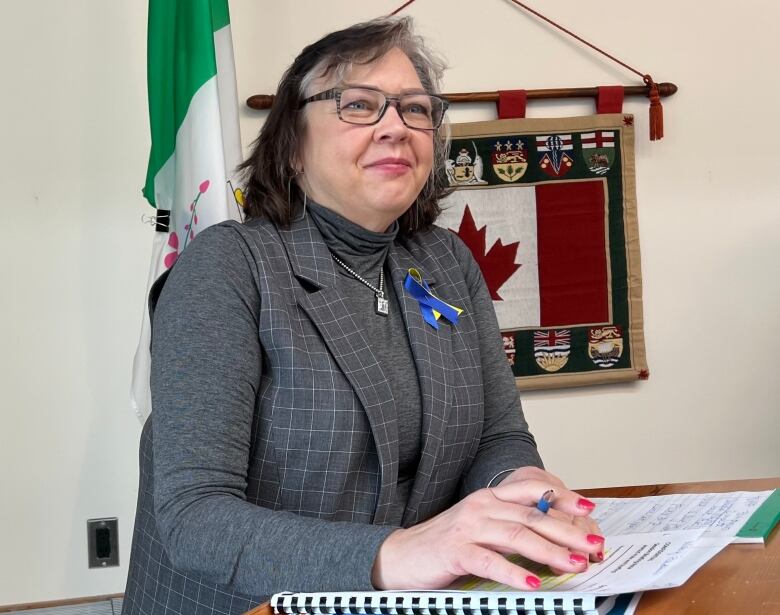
{"x":548,"y":208}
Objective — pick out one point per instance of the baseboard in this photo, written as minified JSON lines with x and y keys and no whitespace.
{"x":53,"y":604}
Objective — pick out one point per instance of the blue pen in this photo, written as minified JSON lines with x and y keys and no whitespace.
{"x":544,"y":503}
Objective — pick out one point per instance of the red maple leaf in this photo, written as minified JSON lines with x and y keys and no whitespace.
{"x":498,"y":263}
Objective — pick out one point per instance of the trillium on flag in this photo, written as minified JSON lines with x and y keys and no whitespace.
{"x":196,"y":145}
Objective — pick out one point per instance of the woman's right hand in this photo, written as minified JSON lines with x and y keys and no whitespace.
{"x":473,"y":536}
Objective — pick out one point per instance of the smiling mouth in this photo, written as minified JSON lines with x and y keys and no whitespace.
{"x":391,"y":164}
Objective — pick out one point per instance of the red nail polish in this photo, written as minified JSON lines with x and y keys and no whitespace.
{"x":576,"y":558}
{"x":600,"y":556}
{"x":533,"y":581}
{"x":586,"y":504}
{"x":595,"y":539}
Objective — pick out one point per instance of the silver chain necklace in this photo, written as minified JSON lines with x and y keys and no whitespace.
{"x":382,"y":306}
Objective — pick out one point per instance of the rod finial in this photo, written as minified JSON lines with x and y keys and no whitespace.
{"x":260,"y":101}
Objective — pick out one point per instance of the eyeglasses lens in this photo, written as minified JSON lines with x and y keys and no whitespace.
{"x":363,"y":106}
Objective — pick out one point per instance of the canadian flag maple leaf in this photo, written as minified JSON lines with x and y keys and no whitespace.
{"x":498,"y":263}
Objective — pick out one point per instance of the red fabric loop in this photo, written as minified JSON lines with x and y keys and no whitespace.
{"x":610,"y":99}
{"x":511,"y":104}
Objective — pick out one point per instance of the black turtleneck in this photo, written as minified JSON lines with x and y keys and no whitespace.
{"x":365,"y":252}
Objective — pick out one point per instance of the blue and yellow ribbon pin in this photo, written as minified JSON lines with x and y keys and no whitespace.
{"x":431,"y":306}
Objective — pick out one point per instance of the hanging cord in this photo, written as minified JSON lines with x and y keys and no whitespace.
{"x":646,"y":78}
{"x":656,"y":110}
{"x":401,"y":8}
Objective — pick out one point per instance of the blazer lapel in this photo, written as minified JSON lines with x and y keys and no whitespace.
{"x":431,"y":349}
{"x":312,"y":262}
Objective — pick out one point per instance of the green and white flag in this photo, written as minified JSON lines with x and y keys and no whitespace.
{"x":196,"y":145}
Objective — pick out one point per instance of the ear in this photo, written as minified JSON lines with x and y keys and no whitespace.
{"x":297,"y":165}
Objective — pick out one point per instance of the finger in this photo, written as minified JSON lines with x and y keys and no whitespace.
{"x":522,"y":512}
{"x":509,"y":537}
{"x":529,"y":492}
{"x":562,"y":516}
{"x":556,"y":528}
{"x":534,"y":473}
{"x":589,"y":526}
{"x":488,"y":564}
{"x":565,"y":533}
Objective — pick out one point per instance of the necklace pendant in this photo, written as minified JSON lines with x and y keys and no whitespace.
{"x":382,"y":305}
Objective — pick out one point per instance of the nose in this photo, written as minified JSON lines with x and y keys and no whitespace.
{"x":391,"y":126}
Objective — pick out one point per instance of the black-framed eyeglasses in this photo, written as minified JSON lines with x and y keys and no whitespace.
{"x":366,"y":106}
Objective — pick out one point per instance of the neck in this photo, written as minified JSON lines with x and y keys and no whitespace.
{"x":361,"y":248}
{"x":371,"y":221}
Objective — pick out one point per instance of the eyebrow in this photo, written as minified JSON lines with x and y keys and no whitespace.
{"x":364,"y":86}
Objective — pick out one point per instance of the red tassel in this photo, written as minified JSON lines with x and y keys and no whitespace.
{"x":656,"y":110}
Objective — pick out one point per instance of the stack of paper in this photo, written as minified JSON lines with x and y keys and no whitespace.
{"x":761,"y":523}
{"x":651,"y":543}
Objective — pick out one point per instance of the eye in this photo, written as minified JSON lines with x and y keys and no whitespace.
{"x":417,"y":107}
{"x":359,"y":102}
{"x":358,"y":105}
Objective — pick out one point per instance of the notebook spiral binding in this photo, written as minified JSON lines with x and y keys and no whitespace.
{"x":432,"y":603}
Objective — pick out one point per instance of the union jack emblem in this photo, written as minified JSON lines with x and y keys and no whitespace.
{"x":552,"y":348}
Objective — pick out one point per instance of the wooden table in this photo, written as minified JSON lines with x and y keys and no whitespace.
{"x":743,"y":579}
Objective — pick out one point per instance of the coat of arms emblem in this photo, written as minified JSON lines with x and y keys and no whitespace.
{"x":509,"y":346}
{"x":552,"y":348}
{"x":509,"y":159}
{"x":556,"y":150}
{"x":465,"y":170}
{"x":598,"y":150}
{"x":605,"y":345}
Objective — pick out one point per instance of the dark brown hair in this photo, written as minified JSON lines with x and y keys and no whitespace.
{"x":269,"y":173}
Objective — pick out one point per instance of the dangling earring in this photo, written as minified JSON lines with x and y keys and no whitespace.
{"x":427,"y":193}
{"x":289,"y":185}
{"x":305,"y":197}
{"x":411,"y":218}
{"x":303,"y":211}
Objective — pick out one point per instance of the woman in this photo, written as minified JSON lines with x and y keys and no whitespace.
{"x":311,"y":430}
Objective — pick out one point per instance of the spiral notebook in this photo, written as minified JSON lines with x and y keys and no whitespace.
{"x":435,"y":603}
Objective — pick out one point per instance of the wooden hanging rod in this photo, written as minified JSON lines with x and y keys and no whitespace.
{"x":264,"y":101}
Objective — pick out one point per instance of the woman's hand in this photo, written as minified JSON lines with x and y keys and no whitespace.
{"x":585,"y":523}
{"x":473,"y":536}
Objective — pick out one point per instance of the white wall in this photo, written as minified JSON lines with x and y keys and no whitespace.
{"x":74,"y":253}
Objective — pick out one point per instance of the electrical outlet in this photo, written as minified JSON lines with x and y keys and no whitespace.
{"x":103,"y":542}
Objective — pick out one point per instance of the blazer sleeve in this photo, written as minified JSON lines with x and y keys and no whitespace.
{"x":206,"y":371}
{"x":506,"y":441}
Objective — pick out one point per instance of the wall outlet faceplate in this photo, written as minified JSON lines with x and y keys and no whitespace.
{"x":103,"y":542}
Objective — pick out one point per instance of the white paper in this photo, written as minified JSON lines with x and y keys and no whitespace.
{"x":634,"y":562}
{"x":653,"y":542}
{"x":719,"y":514}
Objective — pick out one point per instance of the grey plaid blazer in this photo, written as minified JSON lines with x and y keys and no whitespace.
{"x":271,"y":457}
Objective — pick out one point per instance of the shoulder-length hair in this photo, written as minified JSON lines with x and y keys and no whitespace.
{"x":269,"y":172}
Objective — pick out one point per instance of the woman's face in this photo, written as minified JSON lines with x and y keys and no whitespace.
{"x":368,"y":174}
